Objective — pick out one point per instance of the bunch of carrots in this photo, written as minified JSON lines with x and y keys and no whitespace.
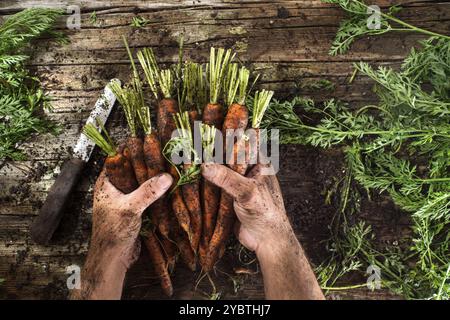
{"x":194,"y":220}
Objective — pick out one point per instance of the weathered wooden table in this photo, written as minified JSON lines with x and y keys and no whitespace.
{"x":286,"y":41}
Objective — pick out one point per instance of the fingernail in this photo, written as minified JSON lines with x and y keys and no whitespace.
{"x":164,"y":180}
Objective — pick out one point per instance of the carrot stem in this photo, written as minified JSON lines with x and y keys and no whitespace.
{"x":218,"y":65}
{"x":260,"y":105}
{"x":104,"y":143}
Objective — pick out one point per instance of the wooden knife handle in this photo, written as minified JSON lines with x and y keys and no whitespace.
{"x":51,"y":212}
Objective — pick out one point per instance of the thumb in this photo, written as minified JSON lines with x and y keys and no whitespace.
{"x":149,"y":192}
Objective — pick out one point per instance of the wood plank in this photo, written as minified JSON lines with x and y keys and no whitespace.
{"x":286,"y":41}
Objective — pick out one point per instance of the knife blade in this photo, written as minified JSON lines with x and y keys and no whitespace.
{"x":50,"y":214}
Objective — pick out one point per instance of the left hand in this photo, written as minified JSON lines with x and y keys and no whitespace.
{"x":117,"y":216}
{"x":258,"y":204}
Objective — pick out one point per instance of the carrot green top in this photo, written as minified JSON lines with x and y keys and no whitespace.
{"x":260,"y":105}
{"x":103,"y":142}
{"x":218,"y":64}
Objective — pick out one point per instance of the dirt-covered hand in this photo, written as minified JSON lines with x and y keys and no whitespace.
{"x":117,"y":216}
{"x":258,"y":204}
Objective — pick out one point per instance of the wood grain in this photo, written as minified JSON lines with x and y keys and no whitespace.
{"x":286,"y":41}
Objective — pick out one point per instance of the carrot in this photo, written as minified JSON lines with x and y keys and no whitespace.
{"x":159,"y":262}
{"x":152,"y":154}
{"x":191,"y":190}
{"x":203,"y":250}
{"x":236,"y":118}
{"x":118,"y":169}
{"x":156,"y":251}
{"x":154,"y":161}
{"x":210,"y":193}
{"x":226,"y":215}
{"x":136,"y":149}
{"x":167,"y":108}
{"x":181,"y":212}
{"x":213,"y":115}
{"x":178,"y":206}
{"x":186,"y":186}
{"x":211,"y":198}
{"x":132,"y":100}
{"x":224,"y":225}
{"x":169,"y":249}
{"x":191,"y":195}
{"x":120,"y":173}
{"x":193,"y":117}
{"x":161,"y":84}
{"x":186,"y":252}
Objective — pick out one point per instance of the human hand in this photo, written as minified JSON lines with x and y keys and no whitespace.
{"x":265,"y":228}
{"x":258,"y":204}
{"x":117,"y":216}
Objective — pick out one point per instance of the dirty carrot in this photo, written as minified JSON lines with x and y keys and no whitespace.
{"x":184,"y":246}
{"x":153,"y":160}
{"x":127,"y":98}
{"x":159,"y":262}
{"x":178,"y":205}
{"x":169,"y":250}
{"x":211,"y":193}
{"x":236,"y":119}
{"x":213,"y":113}
{"x":191,"y":195}
{"x":226,"y":215}
{"x":161,"y":83}
{"x":237,"y":114}
{"x":118,"y":169}
{"x":134,"y":145}
{"x":190,"y":188}
{"x":131,"y":99}
{"x":155,"y":165}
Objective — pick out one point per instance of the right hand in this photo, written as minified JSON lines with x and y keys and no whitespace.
{"x":258,"y":204}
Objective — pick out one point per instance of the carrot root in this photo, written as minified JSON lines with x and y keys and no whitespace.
{"x":186,"y":252}
{"x":181,"y":212}
{"x":159,"y":263}
{"x":191,"y":195}
{"x":224,"y":225}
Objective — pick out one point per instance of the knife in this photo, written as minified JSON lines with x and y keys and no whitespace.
{"x":52,"y":211}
